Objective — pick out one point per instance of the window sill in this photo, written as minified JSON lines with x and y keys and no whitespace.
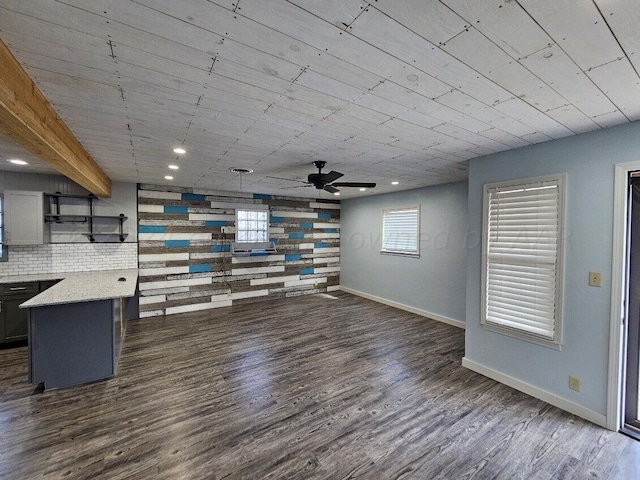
{"x":525,"y":337}
{"x":400,"y":254}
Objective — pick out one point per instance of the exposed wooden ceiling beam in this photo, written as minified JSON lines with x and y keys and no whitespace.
{"x":29,"y":119}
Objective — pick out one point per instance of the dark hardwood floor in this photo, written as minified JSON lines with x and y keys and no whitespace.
{"x":309,"y":387}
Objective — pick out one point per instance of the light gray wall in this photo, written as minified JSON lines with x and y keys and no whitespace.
{"x":435,"y":282}
{"x":589,"y":161}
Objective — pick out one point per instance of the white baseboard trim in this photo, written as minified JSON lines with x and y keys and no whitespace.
{"x":556,"y":401}
{"x":406,"y":308}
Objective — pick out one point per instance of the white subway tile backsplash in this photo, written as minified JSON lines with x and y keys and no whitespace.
{"x":69,"y":257}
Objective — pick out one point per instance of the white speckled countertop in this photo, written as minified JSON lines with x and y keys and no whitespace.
{"x":79,"y":286}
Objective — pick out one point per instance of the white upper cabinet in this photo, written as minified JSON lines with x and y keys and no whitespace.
{"x":23,"y":217}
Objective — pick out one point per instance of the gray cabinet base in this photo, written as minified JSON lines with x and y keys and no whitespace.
{"x":71,"y":343}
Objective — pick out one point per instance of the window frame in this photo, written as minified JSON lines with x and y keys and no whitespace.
{"x":4,"y":252}
{"x":252,"y":208}
{"x":384,"y":250}
{"x":554,"y":342}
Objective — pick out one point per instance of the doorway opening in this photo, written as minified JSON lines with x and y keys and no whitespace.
{"x":630,"y":398}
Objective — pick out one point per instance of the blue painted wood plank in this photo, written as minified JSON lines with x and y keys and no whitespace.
{"x":176,"y":243}
{"x":199,"y":268}
{"x":193,"y":197}
{"x":152,"y":229}
{"x":215,"y":223}
{"x":175,"y":209}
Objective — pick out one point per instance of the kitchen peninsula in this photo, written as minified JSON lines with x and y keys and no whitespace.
{"x":76,"y":326}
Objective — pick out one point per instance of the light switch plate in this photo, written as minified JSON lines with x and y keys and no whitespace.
{"x":595,"y":279}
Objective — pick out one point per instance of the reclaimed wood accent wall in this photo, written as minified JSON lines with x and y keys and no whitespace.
{"x":185,"y":258}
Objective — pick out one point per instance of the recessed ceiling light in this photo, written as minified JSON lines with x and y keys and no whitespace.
{"x":241,"y":170}
{"x":337,"y":194}
{"x":363,"y":189}
{"x":179,"y":151}
{"x":168,"y":177}
{"x":17,"y":161}
{"x":174,"y":167}
{"x":395,"y":183}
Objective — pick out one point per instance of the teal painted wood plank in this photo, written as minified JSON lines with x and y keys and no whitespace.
{"x":199,"y":268}
{"x":176,"y":243}
{"x":152,"y":229}
{"x":175,"y":209}
{"x":193,"y":197}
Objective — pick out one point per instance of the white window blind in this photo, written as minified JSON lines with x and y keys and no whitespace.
{"x":400,"y":230}
{"x":523,"y":251}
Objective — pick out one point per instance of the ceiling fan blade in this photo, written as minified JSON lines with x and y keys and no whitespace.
{"x":296,"y":186}
{"x":354,"y":184}
{"x":287,"y":179}
{"x":331,"y":189}
{"x":330,"y":177}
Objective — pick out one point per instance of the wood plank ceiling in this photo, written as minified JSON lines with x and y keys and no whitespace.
{"x":404,"y":90}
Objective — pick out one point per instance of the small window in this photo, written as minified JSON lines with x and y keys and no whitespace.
{"x":523,"y":258}
{"x":401,"y":231}
{"x":252,"y":226}
{"x":3,"y":247}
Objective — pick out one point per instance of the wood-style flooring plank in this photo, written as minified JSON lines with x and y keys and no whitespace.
{"x":302,"y":388}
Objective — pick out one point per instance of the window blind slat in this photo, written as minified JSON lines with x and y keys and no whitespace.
{"x":518,"y":269}
{"x":537,"y":319}
{"x":525,"y":327}
{"x":522,"y":284}
{"x":520,"y":290}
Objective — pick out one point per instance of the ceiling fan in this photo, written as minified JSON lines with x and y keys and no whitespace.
{"x":327,"y":181}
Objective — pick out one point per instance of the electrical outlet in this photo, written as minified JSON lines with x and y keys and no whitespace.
{"x":574,"y":383}
{"x":595,"y":279}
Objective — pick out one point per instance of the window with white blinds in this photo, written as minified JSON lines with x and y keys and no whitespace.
{"x":401,"y":231}
{"x":523,"y":249}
